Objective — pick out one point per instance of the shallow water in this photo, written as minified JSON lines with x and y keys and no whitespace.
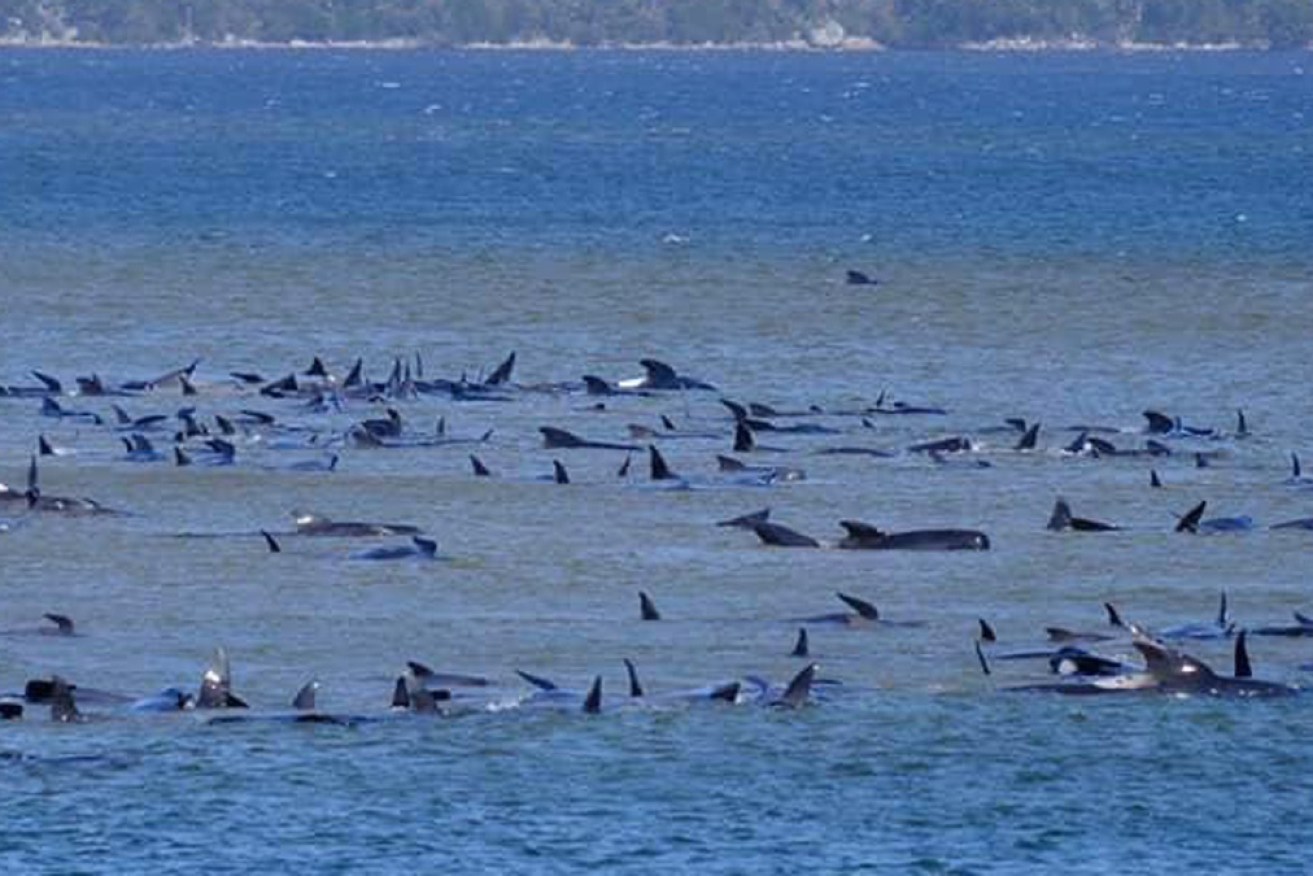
{"x":1071,"y":239}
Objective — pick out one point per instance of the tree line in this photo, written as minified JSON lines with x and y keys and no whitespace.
{"x":1278,"y":24}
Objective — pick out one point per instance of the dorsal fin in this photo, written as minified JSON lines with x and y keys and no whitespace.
{"x":1200,"y":461}
{"x":62,"y":622}
{"x":502,"y":373}
{"x":1242,"y":427}
{"x":316,"y":368}
{"x":659,"y":373}
{"x":668,"y":424}
{"x":1243,"y":669}
{"x":863,"y":608}
{"x":559,"y":474}
{"x":738,"y":411}
{"x":726,"y":693}
{"x":594,"y":385}
{"x":121,"y":416}
{"x":554,"y":437}
{"x":400,"y":693}
{"x":857,"y":529}
{"x":188,"y":388}
{"x":1221,"y":611}
{"x":659,"y":471}
{"x":647,"y":610}
{"x":1295,"y":472}
{"x":1189,"y":522}
{"x":271,"y":542}
{"x":635,"y":687}
{"x":1060,"y":519}
{"x":801,"y":648}
{"x":43,"y":447}
{"x":51,"y":384}
{"x":480,"y":470}
{"x":799,"y":689}
{"x":419,"y":670}
{"x":743,"y":440}
{"x":355,"y":377}
{"x":33,"y":487}
{"x":1159,"y":423}
{"x":1114,"y":618}
{"x":224,"y":425}
{"x":427,"y":547}
{"x":536,"y":680}
{"x":441,"y":428}
{"x":304,"y":701}
{"x":1029,"y":439}
{"x":1078,"y":445}
{"x":181,"y":457}
{"x":593,"y":702}
{"x":1155,"y":481}
{"x":623,"y":470}
{"x":987,"y":633}
{"x":729,"y":463}
{"x":747,"y":521}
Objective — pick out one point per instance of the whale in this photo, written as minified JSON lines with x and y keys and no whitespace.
{"x":65,"y":505}
{"x":1193,"y":522}
{"x":863,"y":614}
{"x":554,"y":439}
{"x":1166,"y":671}
{"x":1061,"y":520}
{"x":647,"y":609}
{"x":420,"y":549}
{"x":1303,"y":626}
{"x":659,"y":375}
{"x":864,"y":536}
{"x":216,"y":685}
{"x":318,"y":525}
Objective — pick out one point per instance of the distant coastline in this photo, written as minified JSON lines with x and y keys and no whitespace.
{"x":672,"y":25}
{"x":1019,"y":45}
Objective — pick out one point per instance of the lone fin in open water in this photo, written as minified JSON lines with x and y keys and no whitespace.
{"x":987,"y":633}
{"x":271,"y":542}
{"x":646,"y":608}
{"x":304,"y":701}
{"x":801,"y":648}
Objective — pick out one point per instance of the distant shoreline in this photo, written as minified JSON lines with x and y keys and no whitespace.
{"x":1019,"y":45}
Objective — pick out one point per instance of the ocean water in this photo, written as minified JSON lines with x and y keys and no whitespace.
{"x":1068,"y":238}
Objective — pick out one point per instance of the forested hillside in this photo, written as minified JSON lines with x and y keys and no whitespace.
{"x":893,"y":23}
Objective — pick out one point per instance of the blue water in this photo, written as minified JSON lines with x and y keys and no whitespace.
{"x":1071,"y":238}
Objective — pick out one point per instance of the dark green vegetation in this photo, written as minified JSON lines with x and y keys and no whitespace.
{"x":897,"y":23}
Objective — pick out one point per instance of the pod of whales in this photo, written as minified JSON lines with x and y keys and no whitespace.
{"x":383,"y":419}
